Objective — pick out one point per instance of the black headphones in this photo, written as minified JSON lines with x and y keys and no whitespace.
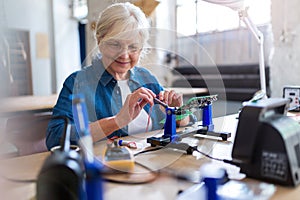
{"x":62,"y":174}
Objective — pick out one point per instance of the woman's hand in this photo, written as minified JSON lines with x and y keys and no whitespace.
{"x":171,"y":98}
{"x":133,"y":105}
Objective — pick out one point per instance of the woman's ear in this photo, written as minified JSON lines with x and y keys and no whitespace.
{"x":100,"y":46}
{"x":99,"y":41}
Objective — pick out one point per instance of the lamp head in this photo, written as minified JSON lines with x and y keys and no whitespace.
{"x":233,"y":4}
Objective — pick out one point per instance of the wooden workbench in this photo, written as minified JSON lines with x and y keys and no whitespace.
{"x":162,"y":188}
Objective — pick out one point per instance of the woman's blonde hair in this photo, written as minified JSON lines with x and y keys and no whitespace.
{"x":122,"y":20}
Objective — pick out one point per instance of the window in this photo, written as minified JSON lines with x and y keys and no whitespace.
{"x":196,"y":16}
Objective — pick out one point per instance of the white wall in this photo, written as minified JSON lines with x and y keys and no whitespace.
{"x":285,"y":62}
{"x":95,"y":7}
{"x":32,"y":15}
{"x":165,"y":20}
{"x":38,"y":17}
{"x":66,"y":42}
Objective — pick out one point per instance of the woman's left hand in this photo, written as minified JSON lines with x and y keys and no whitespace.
{"x":171,"y":98}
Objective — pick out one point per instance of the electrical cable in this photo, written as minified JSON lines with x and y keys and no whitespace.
{"x":112,"y":180}
{"x":232,"y":162}
{"x":135,"y":182}
{"x":148,"y":150}
{"x":207,"y":155}
{"x":189,"y":150}
{"x":19,"y":180}
{"x":108,"y":173}
{"x":294,"y":108}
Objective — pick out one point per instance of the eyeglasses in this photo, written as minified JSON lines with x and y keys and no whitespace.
{"x":118,"y":47}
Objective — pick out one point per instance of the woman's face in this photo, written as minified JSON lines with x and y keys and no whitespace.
{"x":119,"y":56}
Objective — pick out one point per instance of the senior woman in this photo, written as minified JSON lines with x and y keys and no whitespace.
{"x":118,"y":93}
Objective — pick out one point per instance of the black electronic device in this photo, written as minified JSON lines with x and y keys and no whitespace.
{"x":61,"y":176}
{"x":267,"y":142}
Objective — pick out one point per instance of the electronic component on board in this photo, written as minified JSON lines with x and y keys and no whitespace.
{"x":293,"y":94}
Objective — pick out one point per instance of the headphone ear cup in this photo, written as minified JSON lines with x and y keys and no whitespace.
{"x":60,"y":178}
{"x":58,"y":183}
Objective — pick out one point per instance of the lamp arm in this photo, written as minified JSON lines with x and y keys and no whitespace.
{"x":262,"y":68}
{"x":260,"y":40}
{"x":250,"y":25}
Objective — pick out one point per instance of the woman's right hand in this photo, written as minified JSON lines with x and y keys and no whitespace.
{"x":133,"y":105}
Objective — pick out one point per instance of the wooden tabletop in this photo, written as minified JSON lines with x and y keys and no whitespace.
{"x":27,"y":103}
{"x":164,"y":187}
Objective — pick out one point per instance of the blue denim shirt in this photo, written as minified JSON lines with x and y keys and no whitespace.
{"x":102,"y":97}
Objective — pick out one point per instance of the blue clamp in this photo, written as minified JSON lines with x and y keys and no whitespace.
{"x":94,"y":182}
{"x":207,"y":117}
{"x":170,"y":124}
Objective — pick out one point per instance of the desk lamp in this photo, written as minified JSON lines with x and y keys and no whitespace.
{"x":238,"y":5}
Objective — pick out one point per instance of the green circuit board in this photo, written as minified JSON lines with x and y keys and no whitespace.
{"x":198,"y":102}
{"x":193,"y":103}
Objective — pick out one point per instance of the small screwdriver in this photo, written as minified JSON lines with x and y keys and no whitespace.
{"x":128,"y":144}
{"x":156,"y":100}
